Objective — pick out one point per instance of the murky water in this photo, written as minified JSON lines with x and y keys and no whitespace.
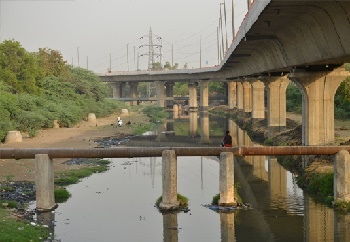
{"x":118,"y":205}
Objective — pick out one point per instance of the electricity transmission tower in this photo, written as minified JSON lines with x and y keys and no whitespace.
{"x":151,"y":48}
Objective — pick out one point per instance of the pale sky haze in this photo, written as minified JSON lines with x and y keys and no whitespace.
{"x":98,"y":29}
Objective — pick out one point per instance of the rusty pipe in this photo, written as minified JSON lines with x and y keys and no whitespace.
{"x":128,"y":152}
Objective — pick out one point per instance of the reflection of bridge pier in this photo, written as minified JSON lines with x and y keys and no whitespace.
{"x":277,"y":181}
{"x":318,"y":221}
{"x":47,"y":219}
{"x":227,"y":222}
{"x":204,"y":120}
{"x":170,"y":227}
{"x":193,"y":124}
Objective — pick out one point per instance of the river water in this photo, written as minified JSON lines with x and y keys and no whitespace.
{"x":118,"y":205}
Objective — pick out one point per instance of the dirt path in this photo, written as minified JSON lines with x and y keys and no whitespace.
{"x":81,"y":136}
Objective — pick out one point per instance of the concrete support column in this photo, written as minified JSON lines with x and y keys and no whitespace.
{"x":44,"y":182}
{"x":176,"y":111}
{"x":169,"y":180}
{"x":133,"y":92}
{"x":204,"y":118}
{"x":232,"y":97}
{"x":204,"y":95}
{"x":116,"y":90}
{"x":318,"y":90}
{"x":192,"y":89}
{"x":160,"y":93}
{"x":258,"y":100}
{"x":122,"y":89}
{"x":226,"y":184}
{"x":247,"y":97}
{"x":169,"y":91}
{"x":342,"y":176}
{"x":227,"y":222}
{"x":239,"y":90}
{"x":276,"y":103}
{"x":232,"y":127}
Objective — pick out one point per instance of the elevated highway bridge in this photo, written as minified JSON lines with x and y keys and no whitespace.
{"x":279,"y":41}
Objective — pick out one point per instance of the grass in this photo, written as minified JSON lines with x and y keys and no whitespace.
{"x":69,"y":177}
{"x":181,"y":199}
{"x":12,"y":230}
{"x":61,"y":195}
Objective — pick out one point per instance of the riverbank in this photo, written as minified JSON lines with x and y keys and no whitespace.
{"x":84,"y":135}
{"x":317,"y":177}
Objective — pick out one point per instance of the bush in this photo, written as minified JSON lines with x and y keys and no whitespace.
{"x":155,"y":113}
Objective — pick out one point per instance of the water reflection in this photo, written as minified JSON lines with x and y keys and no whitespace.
{"x":281,"y":211}
{"x":170,"y":228}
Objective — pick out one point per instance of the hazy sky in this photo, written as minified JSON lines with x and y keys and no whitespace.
{"x":98,"y":29}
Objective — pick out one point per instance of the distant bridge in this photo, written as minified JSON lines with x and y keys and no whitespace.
{"x":279,"y":41}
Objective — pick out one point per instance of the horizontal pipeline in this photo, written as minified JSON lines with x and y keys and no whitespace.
{"x":129,"y":152}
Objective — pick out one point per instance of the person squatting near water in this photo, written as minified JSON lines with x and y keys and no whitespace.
{"x":227,"y":141}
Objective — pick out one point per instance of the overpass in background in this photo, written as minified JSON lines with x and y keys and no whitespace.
{"x":306,"y":42}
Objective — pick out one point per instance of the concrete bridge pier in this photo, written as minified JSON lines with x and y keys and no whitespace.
{"x":232,"y":94}
{"x":122,"y":89}
{"x":169,"y":91}
{"x":226,"y":183}
{"x":318,"y":90}
{"x":276,"y":103}
{"x":116,"y":87}
{"x":258,"y":100}
{"x":169,"y":180}
{"x":160,"y":93}
{"x":192,"y":89}
{"x":247,"y":97}
{"x":342,"y":176}
{"x":204,"y":95}
{"x":133,"y":92}
{"x":239,"y":96}
{"x":44,"y":183}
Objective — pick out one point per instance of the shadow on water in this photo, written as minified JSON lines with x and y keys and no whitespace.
{"x":119,"y":205}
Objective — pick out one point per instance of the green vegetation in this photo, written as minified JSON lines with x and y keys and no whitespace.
{"x":183,"y":201}
{"x":11,"y":230}
{"x":38,"y":88}
{"x":319,"y":184}
{"x":155,"y":113}
{"x":216,"y":198}
{"x":61,"y":195}
{"x":341,"y":99}
{"x":68,"y":177}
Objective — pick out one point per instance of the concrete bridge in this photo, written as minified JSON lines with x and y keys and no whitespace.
{"x":279,"y":41}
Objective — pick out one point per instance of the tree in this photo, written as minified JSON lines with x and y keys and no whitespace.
{"x":156,"y":66}
{"x":52,"y":62}
{"x":169,"y":67}
{"x":19,"y":68}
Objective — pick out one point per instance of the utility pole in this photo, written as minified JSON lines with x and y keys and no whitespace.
{"x":249,"y":2}
{"x":110,"y":62}
{"x":134,"y":57}
{"x":172,"y":55}
{"x":127,"y":55}
{"x":78,"y":55}
{"x":87,"y":62}
{"x":151,"y":53}
{"x":233,"y":20}
{"x":72,"y":61}
{"x":218,"y":44}
{"x":200,"y":51}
